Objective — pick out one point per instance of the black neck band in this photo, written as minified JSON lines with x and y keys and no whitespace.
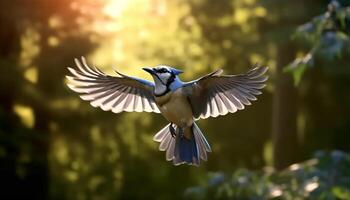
{"x":170,"y":80}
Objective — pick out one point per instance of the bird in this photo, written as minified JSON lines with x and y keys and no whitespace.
{"x":180,"y":103}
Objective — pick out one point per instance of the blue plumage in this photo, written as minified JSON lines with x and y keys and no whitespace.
{"x":186,"y":150}
{"x":181,"y":103}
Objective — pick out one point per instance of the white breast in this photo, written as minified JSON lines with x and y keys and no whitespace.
{"x":177,"y":109}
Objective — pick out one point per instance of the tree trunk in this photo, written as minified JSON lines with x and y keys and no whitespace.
{"x":9,"y":122}
{"x":284,"y":130}
{"x":43,"y":116}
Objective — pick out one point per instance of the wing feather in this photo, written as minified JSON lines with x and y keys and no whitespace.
{"x":213,"y":95}
{"x":116,"y":93}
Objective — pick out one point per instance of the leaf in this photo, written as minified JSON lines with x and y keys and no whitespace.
{"x":298,"y":67}
{"x":341,"y":192}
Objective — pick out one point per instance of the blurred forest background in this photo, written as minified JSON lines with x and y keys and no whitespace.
{"x":53,"y":145}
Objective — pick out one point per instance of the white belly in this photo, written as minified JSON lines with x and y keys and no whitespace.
{"x":177,"y":109}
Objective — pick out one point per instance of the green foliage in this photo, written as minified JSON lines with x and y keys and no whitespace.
{"x":53,"y":145}
{"x":325,"y":176}
{"x":327,"y":36}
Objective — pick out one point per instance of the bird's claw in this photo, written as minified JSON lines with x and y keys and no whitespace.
{"x":172,"y":130}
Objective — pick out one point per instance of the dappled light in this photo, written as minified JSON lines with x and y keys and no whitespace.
{"x":292,"y":143}
{"x":25,"y":114}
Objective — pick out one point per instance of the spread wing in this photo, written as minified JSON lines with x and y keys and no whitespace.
{"x":115,"y":93}
{"x":213,"y":95}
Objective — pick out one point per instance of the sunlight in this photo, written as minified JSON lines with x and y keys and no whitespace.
{"x":311,"y":186}
{"x":29,"y":46}
{"x":71,"y":175}
{"x":268,"y":153}
{"x":241,"y":16}
{"x":31,"y":74}
{"x":294,"y":167}
{"x":53,"y":41}
{"x":131,"y":25}
{"x":115,"y":8}
{"x":276,"y":192}
{"x":148,"y":33}
{"x":26,"y":114}
{"x":60,"y":151}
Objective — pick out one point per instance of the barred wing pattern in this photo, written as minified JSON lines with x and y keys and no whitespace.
{"x":123,"y":93}
{"x":213,"y":95}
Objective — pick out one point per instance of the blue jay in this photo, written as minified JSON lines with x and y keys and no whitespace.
{"x":181,"y":103}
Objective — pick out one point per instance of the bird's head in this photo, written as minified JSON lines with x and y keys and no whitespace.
{"x":162,"y":74}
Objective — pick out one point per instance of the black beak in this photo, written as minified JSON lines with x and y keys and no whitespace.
{"x":149,"y":70}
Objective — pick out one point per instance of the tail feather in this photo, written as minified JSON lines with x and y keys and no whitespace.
{"x":186,"y":151}
{"x":170,"y":151}
{"x":202,"y":143}
{"x":167,"y":142}
{"x":181,"y":149}
{"x":158,"y":137}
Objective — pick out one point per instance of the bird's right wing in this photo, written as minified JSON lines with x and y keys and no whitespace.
{"x":213,"y":95}
{"x":123,"y":93}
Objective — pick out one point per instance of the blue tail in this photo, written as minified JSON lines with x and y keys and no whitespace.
{"x":186,"y":150}
{"x":189,"y":149}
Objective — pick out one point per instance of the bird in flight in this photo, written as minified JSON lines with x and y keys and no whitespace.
{"x":181,"y":103}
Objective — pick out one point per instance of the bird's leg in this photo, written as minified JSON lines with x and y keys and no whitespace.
{"x":181,"y":133}
{"x":172,"y":130}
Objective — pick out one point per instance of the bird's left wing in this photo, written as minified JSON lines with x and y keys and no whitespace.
{"x":213,"y":95}
{"x":115,"y":93}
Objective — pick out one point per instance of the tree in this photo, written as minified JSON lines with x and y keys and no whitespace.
{"x":278,"y":28}
{"x":48,"y":27}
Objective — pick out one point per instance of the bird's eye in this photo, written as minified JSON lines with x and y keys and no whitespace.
{"x":163,"y":70}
